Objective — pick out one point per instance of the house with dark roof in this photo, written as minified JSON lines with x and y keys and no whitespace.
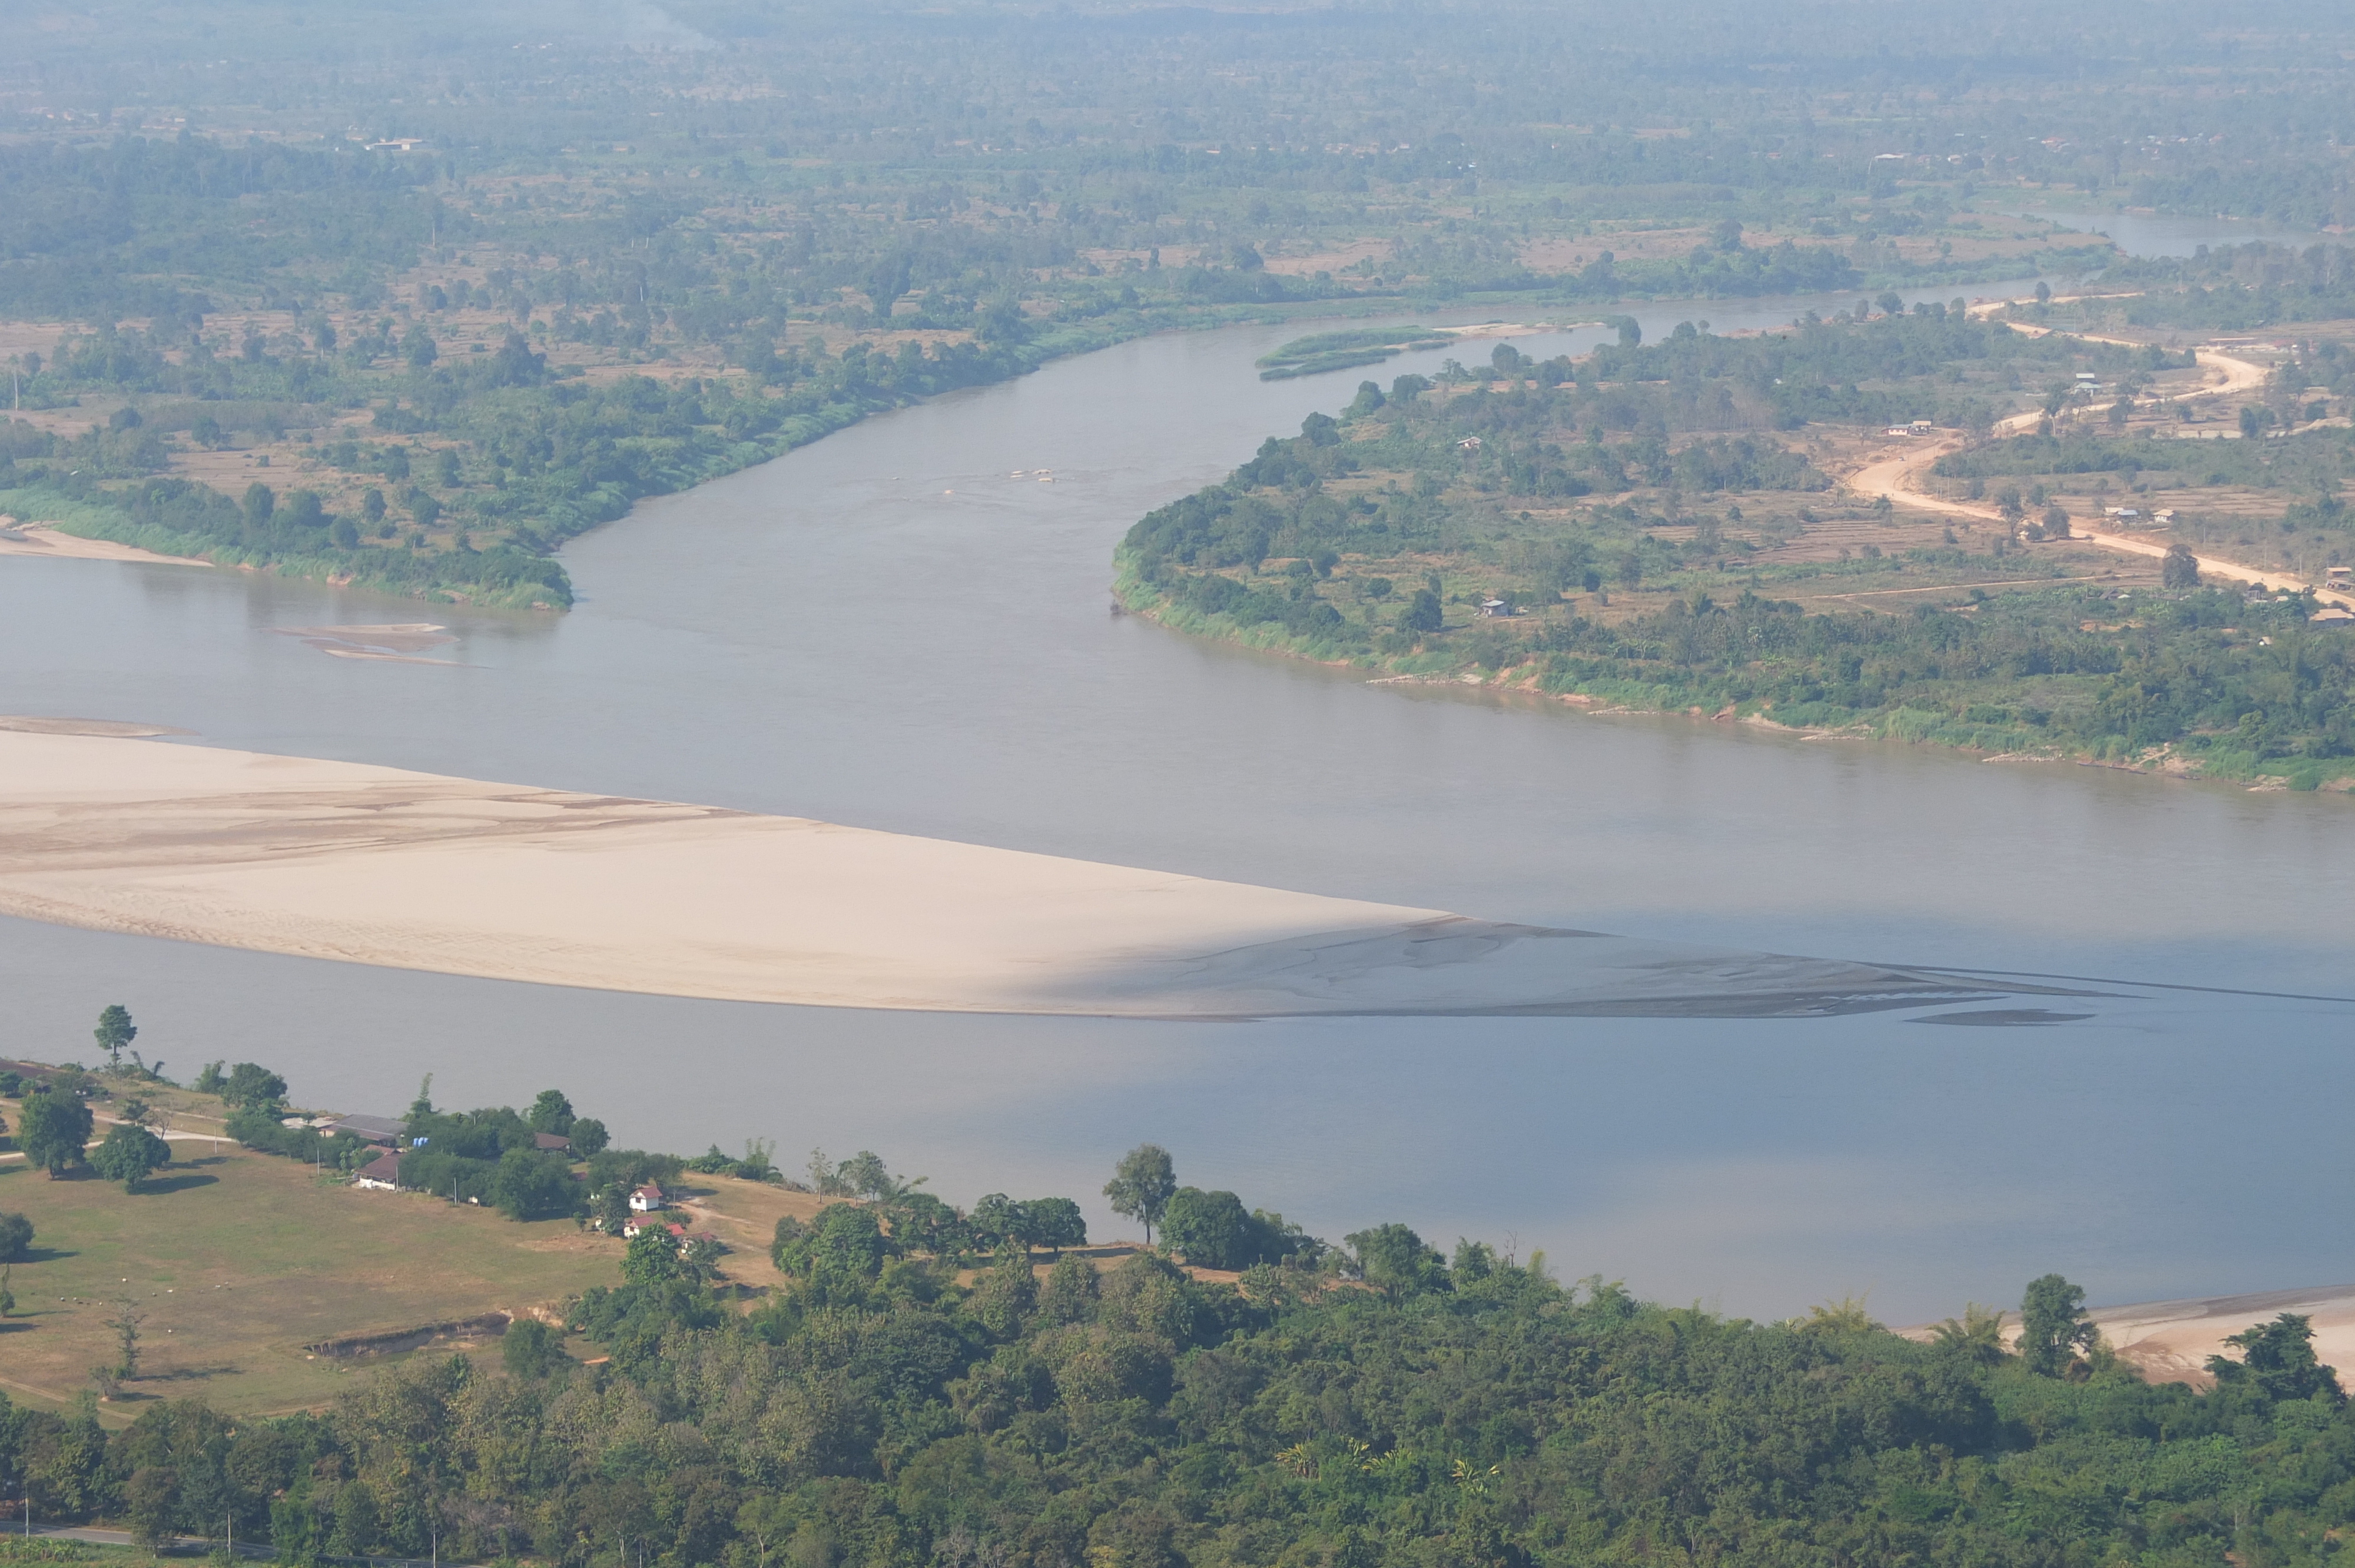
{"x":381,"y":1175}
{"x":373,"y":1129}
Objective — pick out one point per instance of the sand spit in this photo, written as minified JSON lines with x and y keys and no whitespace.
{"x":2171,"y":1341}
{"x":377,"y":865}
{"x":401,"y":643}
{"x":44,"y":539}
{"x":122,"y":729}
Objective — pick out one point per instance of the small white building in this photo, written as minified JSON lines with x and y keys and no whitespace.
{"x":1468,"y":444}
{"x":647,"y":1199}
{"x":1491,"y":609}
{"x":637,"y":1226}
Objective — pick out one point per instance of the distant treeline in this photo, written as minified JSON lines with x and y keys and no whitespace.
{"x":2239,"y":288}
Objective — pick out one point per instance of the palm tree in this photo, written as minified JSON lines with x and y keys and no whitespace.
{"x":1978,"y":1336}
{"x":1845,"y":1316}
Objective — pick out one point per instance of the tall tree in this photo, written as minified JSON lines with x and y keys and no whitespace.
{"x":1054,"y":1224}
{"x":130,"y":1154}
{"x":1978,"y":1336}
{"x":125,"y":1324}
{"x":1212,"y":1229}
{"x":54,"y":1131}
{"x":251,"y":1084}
{"x":1397,"y":1262}
{"x":1143,"y":1184}
{"x":2180,"y":569}
{"x":114,"y":1032}
{"x":2053,"y":1328}
{"x":2278,"y":1357}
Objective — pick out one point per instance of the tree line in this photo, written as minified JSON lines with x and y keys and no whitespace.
{"x":1390,"y":1404}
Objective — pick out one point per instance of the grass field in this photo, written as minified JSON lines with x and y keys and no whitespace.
{"x":44,"y":1550}
{"x":240,"y":1259}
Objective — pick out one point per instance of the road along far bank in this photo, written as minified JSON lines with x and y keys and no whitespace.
{"x":379,"y":865}
{"x":1899,"y":477}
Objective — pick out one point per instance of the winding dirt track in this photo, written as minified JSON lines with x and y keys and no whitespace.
{"x":1899,"y":477}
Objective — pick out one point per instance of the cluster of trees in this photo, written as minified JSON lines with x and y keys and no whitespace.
{"x":56,"y":1124}
{"x":1208,"y":1230}
{"x":1401,"y":1407}
{"x":2239,"y":288}
{"x":2238,"y":683}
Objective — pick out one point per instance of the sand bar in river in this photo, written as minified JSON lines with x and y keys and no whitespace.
{"x":379,"y":865}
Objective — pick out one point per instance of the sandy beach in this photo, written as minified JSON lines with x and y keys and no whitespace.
{"x":379,"y":865}
{"x":2171,"y":1342}
{"x":44,"y":540}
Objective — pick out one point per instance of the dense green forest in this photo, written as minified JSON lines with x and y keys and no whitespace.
{"x":1374,"y":1403}
{"x":924,"y":1388}
{"x":485,"y":279}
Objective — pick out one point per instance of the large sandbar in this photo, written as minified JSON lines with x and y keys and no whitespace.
{"x":380,"y":865}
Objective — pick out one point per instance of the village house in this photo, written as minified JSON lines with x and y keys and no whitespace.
{"x":646,"y":1200}
{"x":372,"y":1129}
{"x":381,"y":1175}
{"x":639,"y":1225}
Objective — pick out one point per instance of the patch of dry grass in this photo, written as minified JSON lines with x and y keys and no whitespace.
{"x":240,"y":1259}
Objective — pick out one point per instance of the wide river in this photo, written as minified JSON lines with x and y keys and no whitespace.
{"x":891,"y":629}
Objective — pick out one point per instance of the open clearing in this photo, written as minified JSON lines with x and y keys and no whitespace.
{"x":239,"y":1260}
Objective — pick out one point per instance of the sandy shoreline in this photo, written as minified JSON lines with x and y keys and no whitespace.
{"x":418,"y":871}
{"x":43,"y":539}
{"x":2171,"y":1342}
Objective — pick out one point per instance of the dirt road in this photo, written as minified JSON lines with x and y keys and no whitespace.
{"x":1899,"y":477}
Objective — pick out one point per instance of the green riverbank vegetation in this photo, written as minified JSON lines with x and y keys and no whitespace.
{"x":1657,"y":528}
{"x":918,"y":1386}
